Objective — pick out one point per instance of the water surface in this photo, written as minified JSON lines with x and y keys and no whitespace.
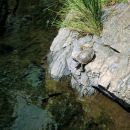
{"x":29,"y":98}
{"x":25,"y":87}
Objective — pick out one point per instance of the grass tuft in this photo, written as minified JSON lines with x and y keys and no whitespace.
{"x":82,"y":15}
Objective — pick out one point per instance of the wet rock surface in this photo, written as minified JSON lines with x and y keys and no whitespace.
{"x":105,"y":59}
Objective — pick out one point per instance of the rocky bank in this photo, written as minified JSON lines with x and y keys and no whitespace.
{"x":101,"y":62}
{"x":27,"y":94}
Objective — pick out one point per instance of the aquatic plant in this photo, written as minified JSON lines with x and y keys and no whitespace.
{"x":82,"y":15}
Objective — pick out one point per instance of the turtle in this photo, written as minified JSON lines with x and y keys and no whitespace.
{"x":85,"y":56}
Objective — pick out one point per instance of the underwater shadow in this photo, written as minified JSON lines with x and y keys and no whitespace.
{"x":114,"y":98}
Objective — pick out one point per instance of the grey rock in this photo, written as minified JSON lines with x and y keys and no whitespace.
{"x":116,"y":29}
{"x":84,"y":40}
{"x":58,"y":65}
{"x":111,"y":71}
{"x":61,"y":59}
{"x":82,"y":84}
{"x":84,"y":79}
{"x":87,"y":91}
{"x":72,"y":66}
{"x":111,"y":66}
{"x":61,"y":49}
{"x":75,"y":83}
{"x":64,"y":38}
{"x":86,"y":85}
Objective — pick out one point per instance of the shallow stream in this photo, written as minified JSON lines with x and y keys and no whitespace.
{"x":31,"y":100}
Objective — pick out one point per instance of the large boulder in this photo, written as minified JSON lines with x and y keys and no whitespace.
{"x":110,"y":68}
{"x":116,"y":30}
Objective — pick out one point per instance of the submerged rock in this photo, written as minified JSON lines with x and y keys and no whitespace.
{"x":31,"y":117}
{"x":106,"y":57}
{"x":34,"y":75}
{"x":67,"y":112}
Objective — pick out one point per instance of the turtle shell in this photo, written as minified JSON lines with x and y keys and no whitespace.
{"x":85,"y":56}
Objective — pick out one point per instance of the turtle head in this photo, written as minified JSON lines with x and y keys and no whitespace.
{"x":86,"y":46}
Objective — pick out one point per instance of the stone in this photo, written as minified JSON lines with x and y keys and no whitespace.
{"x":75,"y":84}
{"x":86,"y":39}
{"x":106,"y":58}
{"x":82,"y":84}
{"x":61,"y":49}
{"x":116,"y":30}
{"x":64,"y":38}
{"x":72,"y":64}
{"x":111,"y":70}
{"x":58,"y":65}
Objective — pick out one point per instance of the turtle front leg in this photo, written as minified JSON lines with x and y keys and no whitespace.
{"x":82,"y":67}
{"x":78,"y":66}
